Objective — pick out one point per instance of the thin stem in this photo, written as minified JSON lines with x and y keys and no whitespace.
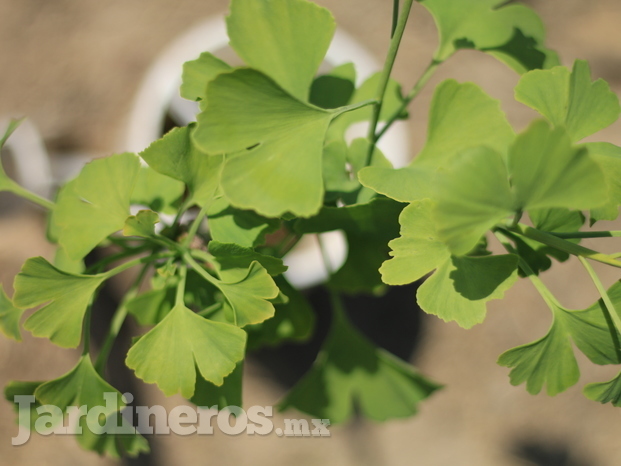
{"x":586,"y":234}
{"x":395,"y":17}
{"x":140,"y":260}
{"x":203,"y":273}
{"x":117,"y":321}
{"x":385,"y":76}
{"x":418,"y":87}
{"x":86,"y":332}
{"x":543,"y":290}
{"x":610,"y":307}
{"x":563,"y":245}
{"x":187,"y":258}
{"x":203,"y":255}
{"x":32,"y":197}
{"x":98,"y":267}
{"x":196,"y":224}
{"x":180,"y":295}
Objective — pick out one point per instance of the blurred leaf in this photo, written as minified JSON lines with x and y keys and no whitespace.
{"x":229,"y":393}
{"x":228,"y":224}
{"x":368,"y":228}
{"x":234,"y":256}
{"x":9,"y":317}
{"x":285,"y":39}
{"x":350,"y":371}
{"x":334,"y":89}
{"x":461,"y":117}
{"x":546,"y":171}
{"x":605,"y":392}
{"x":569,"y":99}
{"x":156,"y":191}
{"x":512,"y":33}
{"x":197,"y":74}
{"x":608,"y":156}
{"x":142,"y":224}
{"x":293,"y":320}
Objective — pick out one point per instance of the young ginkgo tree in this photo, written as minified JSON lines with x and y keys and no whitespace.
{"x":267,"y":162}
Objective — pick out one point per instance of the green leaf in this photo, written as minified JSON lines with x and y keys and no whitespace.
{"x":292,"y":321}
{"x":351,"y":371}
{"x":234,"y":256}
{"x":158,"y":192}
{"x":80,"y":386}
{"x":570,"y":99}
{"x":605,"y":392}
{"x":142,"y":224}
{"x":63,"y":262}
{"x":247,"y":293}
{"x":273,"y":141}
{"x":96,"y":203}
{"x":19,"y":388}
{"x":83,"y":386}
{"x":368,"y":228}
{"x":6,"y":183}
{"x":334,"y":89}
{"x":229,"y":393}
{"x":9,"y":317}
{"x":462,"y":286}
{"x":608,"y":156}
{"x":228,"y":224}
{"x":150,"y":307}
{"x":548,"y":361}
{"x":393,"y":99}
{"x":546,"y":171}
{"x":554,"y":220}
{"x":418,"y":250}
{"x":285,"y":39}
{"x":471,"y":198}
{"x":68,"y":296}
{"x":198,"y":73}
{"x":491,"y":26}
{"x":593,"y":332}
{"x":462,"y":116}
{"x":182,"y":343}
{"x":116,"y":444}
{"x":176,"y":156}
{"x":341,"y":165}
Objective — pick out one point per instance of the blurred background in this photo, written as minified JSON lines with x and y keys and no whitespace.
{"x":75,"y":67}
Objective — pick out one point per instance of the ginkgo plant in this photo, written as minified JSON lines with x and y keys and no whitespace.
{"x":268,"y":161}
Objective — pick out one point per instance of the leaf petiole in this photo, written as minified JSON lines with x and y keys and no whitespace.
{"x":180,"y":295}
{"x":610,"y":307}
{"x":395,"y":42}
{"x":117,"y":321}
{"x":586,"y":234}
{"x":140,"y":260}
{"x":562,"y":245}
{"x":418,"y":87}
{"x":543,"y":290}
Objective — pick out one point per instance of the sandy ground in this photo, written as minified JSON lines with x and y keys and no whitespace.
{"x":73,"y":67}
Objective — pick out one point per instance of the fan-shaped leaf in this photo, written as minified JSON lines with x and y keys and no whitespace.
{"x":68,"y":296}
